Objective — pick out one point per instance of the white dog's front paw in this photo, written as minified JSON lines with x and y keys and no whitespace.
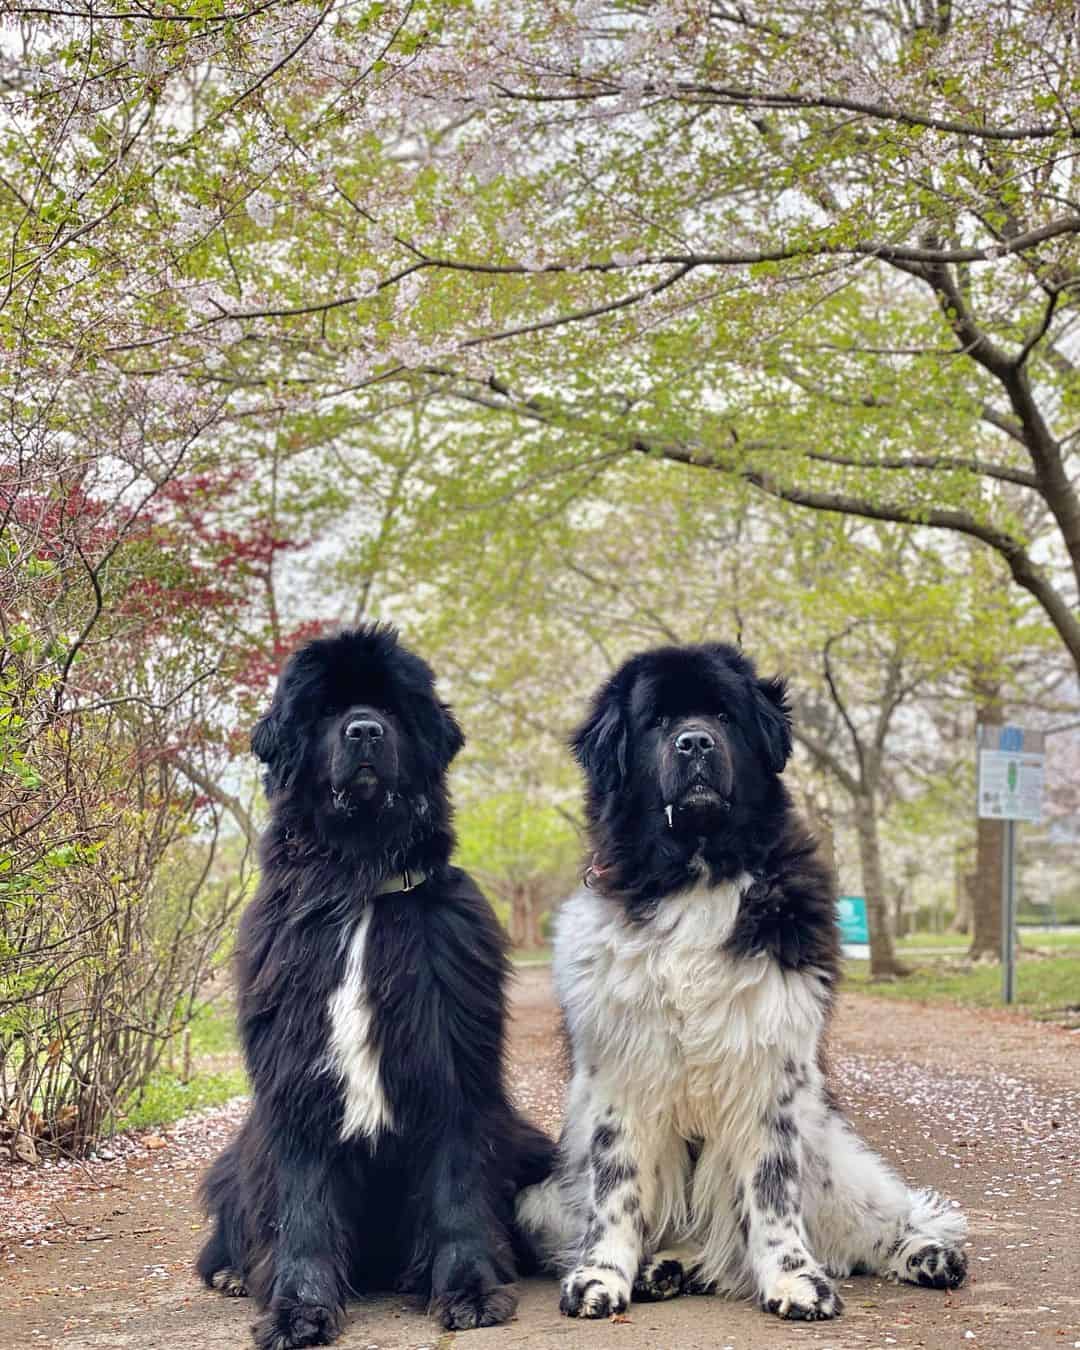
{"x":662,"y":1276}
{"x":594,"y":1291}
{"x":804,"y":1295}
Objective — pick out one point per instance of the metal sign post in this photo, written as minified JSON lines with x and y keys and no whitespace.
{"x":1010,"y":789}
{"x":1008,"y":913}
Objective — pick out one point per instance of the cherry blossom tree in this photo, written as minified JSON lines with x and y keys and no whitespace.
{"x":436,"y":279}
{"x":827,"y":251}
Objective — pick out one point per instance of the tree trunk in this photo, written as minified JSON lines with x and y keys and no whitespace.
{"x":883,"y":962}
{"x":899,"y":918}
{"x":989,"y":850}
{"x":819,"y":816}
{"x":535,"y":938}
{"x":962,"y":884}
{"x":986,"y":901}
{"x":525,"y":906}
{"x":516,"y":922}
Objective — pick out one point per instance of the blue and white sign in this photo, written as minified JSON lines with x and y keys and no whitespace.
{"x":854,"y":929}
{"x":1010,"y":773}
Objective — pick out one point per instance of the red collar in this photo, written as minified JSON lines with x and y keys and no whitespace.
{"x":594,"y":872}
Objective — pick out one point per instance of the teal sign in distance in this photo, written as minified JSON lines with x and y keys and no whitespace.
{"x":851,"y":916}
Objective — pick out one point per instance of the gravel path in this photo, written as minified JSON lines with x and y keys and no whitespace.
{"x":983,"y":1105}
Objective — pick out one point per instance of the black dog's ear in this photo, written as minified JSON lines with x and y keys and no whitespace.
{"x":452,"y":737}
{"x":276,"y":748}
{"x":267,"y":745}
{"x":265,"y":739}
{"x":774,"y":719}
{"x":600,"y":745}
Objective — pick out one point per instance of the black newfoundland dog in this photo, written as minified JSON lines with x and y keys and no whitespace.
{"x":701,"y":1149}
{"x":381,"y":1150}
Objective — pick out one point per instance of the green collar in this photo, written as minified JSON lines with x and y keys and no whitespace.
{"x":399,"y":882}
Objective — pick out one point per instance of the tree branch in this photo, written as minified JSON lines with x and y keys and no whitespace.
{"x":984,"y":468}
{"x":231,"y":803}
{"x":682,"y":262}
{"x":1045,"y":452}
{"x":989,"y":413}
{"x":1024,"y":570}
{"x":841,"y":706}
{"x":735,"y":96}
{"x":607,"y":584}
{"x":826,"y":759}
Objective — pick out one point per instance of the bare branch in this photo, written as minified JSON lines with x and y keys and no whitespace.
{"x":840,"y":704}
{"x":213,"y":789}
{"x":825,"y":757}
{"x":935,"y":463}
{"x":738,"y":96}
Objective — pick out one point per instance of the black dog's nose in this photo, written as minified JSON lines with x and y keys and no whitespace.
{"x":364,"y":726}
{"x":694,"y":741}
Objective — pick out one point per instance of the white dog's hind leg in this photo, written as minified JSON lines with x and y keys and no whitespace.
{"x":547,"y":1214}
{"x":929,"y":1251}
{"x":552,"y":1213}
{"x":863,"y":1219}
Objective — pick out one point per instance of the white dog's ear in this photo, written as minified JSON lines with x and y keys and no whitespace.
{"x":774,"y":719}
{"x":601,"y":743}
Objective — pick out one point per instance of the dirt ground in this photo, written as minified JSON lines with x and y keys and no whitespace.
{"x":982,"y":1105}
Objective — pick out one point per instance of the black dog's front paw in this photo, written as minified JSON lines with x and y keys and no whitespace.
{"x":464,"y":1309}
{"x":229,"y":1282}
{"x":289,"y":1323}
{"x":466,"y":1288}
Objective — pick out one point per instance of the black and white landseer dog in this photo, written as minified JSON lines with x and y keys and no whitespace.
{"x":701,"y":1149}
{"x":381,"y":1149}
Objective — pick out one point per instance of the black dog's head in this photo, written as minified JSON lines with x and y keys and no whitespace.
{"x":356,"y":731}
{"x":684,"y":740}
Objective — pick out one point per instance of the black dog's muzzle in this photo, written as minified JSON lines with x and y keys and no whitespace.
{"x":363,"y":758}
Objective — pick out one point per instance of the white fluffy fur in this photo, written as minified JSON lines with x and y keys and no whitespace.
{"x":352,"y":1055}
{"x":677,"y":1042}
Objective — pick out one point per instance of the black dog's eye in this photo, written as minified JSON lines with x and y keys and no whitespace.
{"x":661,"y":722}
{"x":720,"y":715}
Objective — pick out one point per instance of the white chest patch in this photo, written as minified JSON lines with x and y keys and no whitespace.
{"x":352,"y":1056}
{"x":666,"y":1015}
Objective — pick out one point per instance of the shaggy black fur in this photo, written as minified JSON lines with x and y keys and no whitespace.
{"x":682,"y":750}
{"x":356,"y":747}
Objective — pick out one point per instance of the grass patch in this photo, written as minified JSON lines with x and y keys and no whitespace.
{"x":217,"y":1073}
{"x":1035,"y":937}
{"x":531,"y":956}
{"x":213,"y":1030}
{"x":165,"y":1098}
{"x":1044,"y":985}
